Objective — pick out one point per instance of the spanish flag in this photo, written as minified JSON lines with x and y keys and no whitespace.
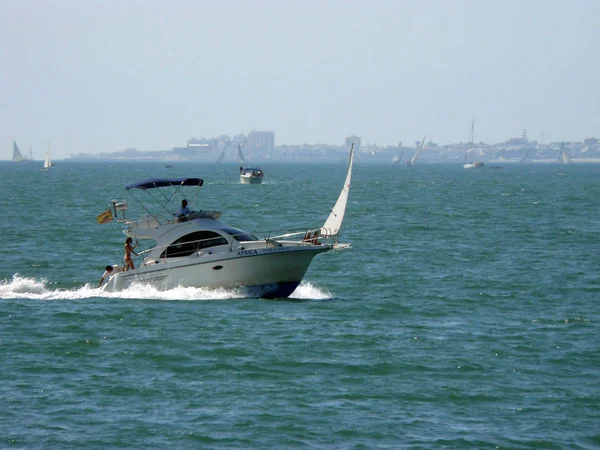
{"x":106,"y":216}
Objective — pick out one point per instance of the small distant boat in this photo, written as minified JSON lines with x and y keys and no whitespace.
{"x":199,"y":250}
{"x":241,"y":158}
{"x":48,"y":164}
{"x":17,"y":155}
{"x":413,"y":160}
{"x":397,"y":159}
{"x":563,"y":157}
{"x":474,"y":164}
{"x":251,"y":175}
{"x":525,"y":157}
{"x":222,"y":155}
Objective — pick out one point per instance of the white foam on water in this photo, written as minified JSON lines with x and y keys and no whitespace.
{"x":40,"y":289}
{"x":20,"y":286}
{"x":308,"y":291}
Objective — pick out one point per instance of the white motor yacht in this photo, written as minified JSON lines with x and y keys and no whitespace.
{"x":474,"y":165}
{"x":251,"y":175}
{"x":200,"y":250}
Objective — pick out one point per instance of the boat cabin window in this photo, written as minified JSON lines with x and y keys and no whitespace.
{"x":193,"y":242}
{"x":239,"y":235}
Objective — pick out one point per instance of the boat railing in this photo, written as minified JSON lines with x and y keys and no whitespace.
{"x":307,"y":236}
{"x":182,"y":249}
{"x":314,"y":236}
{"x":215,"y":215}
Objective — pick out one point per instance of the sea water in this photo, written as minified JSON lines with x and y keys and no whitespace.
{"x":465,"y":314}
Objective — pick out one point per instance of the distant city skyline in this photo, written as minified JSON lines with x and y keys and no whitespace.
{"x":102,"y":76}
{"x":254,"y":138}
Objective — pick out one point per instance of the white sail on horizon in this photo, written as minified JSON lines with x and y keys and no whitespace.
{"x":334,"y":221}
{"x":241,"y":157}
{"x":17,"y":155}
{"x":563,"y":158}
{"x":418,"y":152}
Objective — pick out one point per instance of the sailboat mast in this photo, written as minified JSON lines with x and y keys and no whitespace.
{"x":471,"y":140}
{"x":241,"y":157}
{"x":17,"y":156}
{"x":419,"y":150}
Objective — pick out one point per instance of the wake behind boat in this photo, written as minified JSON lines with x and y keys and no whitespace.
{"x":199,"y":250}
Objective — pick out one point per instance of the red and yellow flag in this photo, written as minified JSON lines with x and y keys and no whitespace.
{"x":106,"y":216}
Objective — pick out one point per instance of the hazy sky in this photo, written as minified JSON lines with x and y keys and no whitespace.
{"x":101,"y":76}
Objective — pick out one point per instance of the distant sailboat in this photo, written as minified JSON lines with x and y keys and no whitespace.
{"x":413,"y":160}
{"x":397,"y":159}
{"x":525,"y":157}
{"x":241,"y":158}
{"x":222,"y":155}
{"x":474,"y":164}
{"x":48,"y":164}
{"x":563,"y":158}
{"x":17,"y":155}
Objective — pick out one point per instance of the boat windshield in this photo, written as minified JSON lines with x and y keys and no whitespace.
{"x":239,"y":235}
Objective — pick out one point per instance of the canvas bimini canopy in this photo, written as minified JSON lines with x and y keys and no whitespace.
{"x":167,"y":194}
{"x":152,"y":183}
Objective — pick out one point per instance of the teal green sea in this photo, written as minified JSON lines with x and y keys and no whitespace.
{"x":465,"y":315}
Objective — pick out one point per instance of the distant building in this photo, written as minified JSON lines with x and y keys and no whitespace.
{"x":520,"y":141}
{"x":195,"y":149}
{"x":353,"y":140}
{"x":261,"y":142}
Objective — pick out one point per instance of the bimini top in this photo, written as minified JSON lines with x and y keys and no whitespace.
{"x":152,"y":183}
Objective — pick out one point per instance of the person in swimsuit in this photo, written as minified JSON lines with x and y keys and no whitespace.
{"x":128,"y":251}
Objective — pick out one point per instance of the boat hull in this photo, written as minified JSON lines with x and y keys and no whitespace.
{"x":271,"y":273}
{"x":250,"y":180}
{"x":474,"y":165}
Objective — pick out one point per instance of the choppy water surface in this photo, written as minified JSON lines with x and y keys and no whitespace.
{"x":465,"y":315}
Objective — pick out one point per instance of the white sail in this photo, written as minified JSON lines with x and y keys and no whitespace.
{"x":241,"y":158}
{"x":563,"y":158}
{"x":471,"y":139}
{"x":334,"y":221}
{"x":222,"y":155}
{"x":47,"y":162}
{"x":17,"y":156}
{"x":472,"y":163}
{"x":417,"y":153}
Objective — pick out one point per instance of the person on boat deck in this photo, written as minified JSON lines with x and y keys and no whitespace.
{"x":128,"y":251}
{"x":241,"y":169}
{"x":184,"y":210}
{"x":108,"y":271}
